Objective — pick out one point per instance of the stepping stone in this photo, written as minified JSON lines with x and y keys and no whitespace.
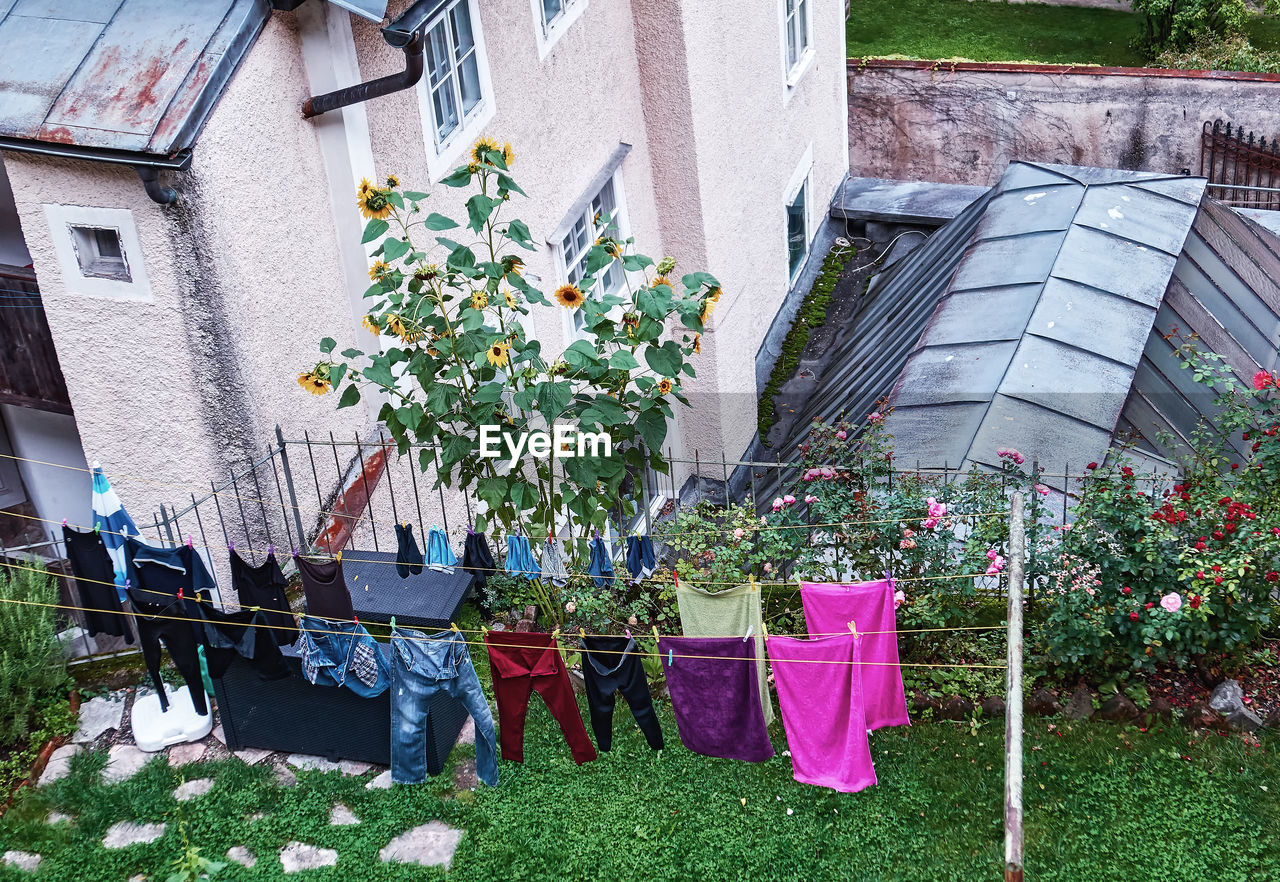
{"x":124,"y":761}
{"x":300,"y":856}
{"x":341,"y":816}
{"x":307,"y":762}
{"x":468,"y":733}
{"x":242,"y":856}
{"x":428,"y":845}
{"x":354,"y":767}
{"x":255,"y":817}
{"x":186,"y":754}
{"x":23,"y":860}
{"x":251,"y":756}
{"x":56,"y":818}
{"x":59,"y":763}
{"x":220,"y":735}
{"x":122,"y":834}
{"x":382,"y":782}
{"x":192,"y":789}
{"x":285,"y":776}
{"x":97,"y":715}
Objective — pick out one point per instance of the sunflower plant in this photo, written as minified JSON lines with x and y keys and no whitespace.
{"x":452,"y":297}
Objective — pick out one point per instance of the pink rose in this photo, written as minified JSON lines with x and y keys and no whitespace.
{"x":777,"y":504}
{"x":899,"y":598}
{"x":810,"y":499}
{"x":907,"y":532}
{"x":1172,"y":601}
{"x":875,"y":417}
{"x":1263,"y":380}
{"x":788,"y":500}
{"x":827,"y":472}
{"x":842,"y":434}
{"x":768,"y":567}
{"x":738,"y":533}
{"x":1042,"y":489}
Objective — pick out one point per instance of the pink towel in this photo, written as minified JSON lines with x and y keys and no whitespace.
{"x":828,"y":609}
{"x":820,"y":691}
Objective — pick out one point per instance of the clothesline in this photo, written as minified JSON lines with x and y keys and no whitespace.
{"x":356,"y":621}
{"x":374,"y":523}
{"x":500,"y":570}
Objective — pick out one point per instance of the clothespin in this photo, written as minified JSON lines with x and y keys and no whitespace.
{"x":64,"y":522}
{"x":470,"y":531}
{"x":750,"y":630}
{"x":751,"y":578}
{"x":655,"y":632}
{"x":853,"y":626}
{"x":627,"y":631}
{"x":179,"y":593}
{"x":484,"y":629}
{"x":764,"y":629}
{"x":271,"y":550}
{"x":671,"y":658}
{"x":555,"y":635}
{"x":676,"y":576}
{"x":188,"y":540}
{"x":453,"y":626}
{"x":582,"y":634}
{"x":339,"y":555}
{"x":295,"y":551}
{"x":231,"y":545}
{"x":97,"y":528}
{"x":393,"y":623}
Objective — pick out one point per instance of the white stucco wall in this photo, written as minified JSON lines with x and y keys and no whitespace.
{"x":13,"y":251}
{"x":169,"y":392}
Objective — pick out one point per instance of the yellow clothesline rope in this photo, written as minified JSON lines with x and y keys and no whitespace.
{"x":570,"y":576}
{"x":164,"y":617}
{"x":374,"y":523}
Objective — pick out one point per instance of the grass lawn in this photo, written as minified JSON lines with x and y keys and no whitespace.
{"x":1103,"y":803}
{"x":988,"y":30}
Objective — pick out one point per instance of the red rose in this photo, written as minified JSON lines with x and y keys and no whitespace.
{"x":1133,"y":616}
{"x":1196,"y":600}
{"x":1245,"y":436}
{"x":1229,"y":527}
{"x":1217,"y":580}
{"x":1199,"y":574}
{"x":1217,"y":568}
{"x":1091,"y":466}
{"x":1217,"y":534}
{"x":1200,"y":546}
{"x":1149,"y":605}
{"x":1126,"y":590}
{"x":1234,"y":466}
{"x":1226,"y":500}
{"x":1272,"y":576}
{"x":1126,"y":471}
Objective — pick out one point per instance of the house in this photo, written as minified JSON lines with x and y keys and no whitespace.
{"x":177,"y":236}
{"x":1040,"y":318}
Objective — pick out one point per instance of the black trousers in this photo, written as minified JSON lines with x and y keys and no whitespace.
{"x":181,"y":641}
{"x":609,"y":665}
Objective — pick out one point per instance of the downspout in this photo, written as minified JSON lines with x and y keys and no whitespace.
{"x":413,"y":64}
{"x":151,"y":183}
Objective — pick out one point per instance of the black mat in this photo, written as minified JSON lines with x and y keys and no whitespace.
{"x":428,"y":600}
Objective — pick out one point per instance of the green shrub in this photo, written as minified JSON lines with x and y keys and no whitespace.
{"x":1221,"y":53}
{"x":32,"y":666}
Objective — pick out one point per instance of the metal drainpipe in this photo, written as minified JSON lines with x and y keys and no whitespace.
{"x":151,"y":183}
{"x":413,"y":64}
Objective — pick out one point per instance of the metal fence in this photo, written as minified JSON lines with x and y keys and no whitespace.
{"x":1243,"y":170}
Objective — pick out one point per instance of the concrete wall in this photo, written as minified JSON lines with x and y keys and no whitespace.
{"x":170,"y":392}
{"x":964,"y":123}
{"x":55,"y":492}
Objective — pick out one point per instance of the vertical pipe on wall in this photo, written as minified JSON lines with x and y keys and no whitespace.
{"x":1013,"y":700}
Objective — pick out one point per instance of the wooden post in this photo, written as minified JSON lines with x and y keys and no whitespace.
{"x":1013,"y":700}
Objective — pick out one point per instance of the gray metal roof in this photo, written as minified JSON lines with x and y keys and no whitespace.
{"x":1037,"y":339}
{"x":135,"y":76}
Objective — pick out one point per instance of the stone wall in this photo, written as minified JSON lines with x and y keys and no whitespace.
{"x":963,"y":123}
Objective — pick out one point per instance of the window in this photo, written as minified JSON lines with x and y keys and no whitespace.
{"x":797,"y":230}
{"x":99,"y":253}
{"x":456,"y":96}
{"x":553,"y":18}
{"x":796,"y":26}
{"x":602,"y":217}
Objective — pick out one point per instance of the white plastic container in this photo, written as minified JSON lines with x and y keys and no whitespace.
{"x":154,"y":729}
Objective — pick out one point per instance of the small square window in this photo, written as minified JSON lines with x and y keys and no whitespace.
{"x":797,"y":230}
{"x":551,"y":10}
{"x":99,"y":253}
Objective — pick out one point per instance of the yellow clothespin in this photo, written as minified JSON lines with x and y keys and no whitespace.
{"x":339,"y":555}
{"x":484,"y":629}
{"x":764,"y":629}
{"x":582,"y":634}
{"x":853,"y":626}
{"x":751,"y":577}
{"x":655,"y":632}
{"x":453,"y":626}
{"x":555,"y":635}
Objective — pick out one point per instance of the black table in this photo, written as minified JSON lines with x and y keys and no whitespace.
{"x":430,"y":599}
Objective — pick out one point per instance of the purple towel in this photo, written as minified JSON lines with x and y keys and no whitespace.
{"x":820,"y":691}
{"x":715,"y":696}
{"x":828,"y":609}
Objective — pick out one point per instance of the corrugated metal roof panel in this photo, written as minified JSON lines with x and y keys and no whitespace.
{"x":982,"y":316}
{"x":997,"y":263}
{"x":137,"y":76}
{"x":1119,"y":265}
{"x":944,"y":374}
{"x":1068,"y":379}
{"x":1069,"y":313}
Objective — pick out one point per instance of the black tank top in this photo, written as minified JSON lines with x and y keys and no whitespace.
{"x":325,"y":588}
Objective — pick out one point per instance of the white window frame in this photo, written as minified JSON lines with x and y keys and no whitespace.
{"x":442,"y":156}
{"x":794,"y":72}
{"x":563,"y":265}
{"x":62,"y":218}
{"x":801,"y":178}
{"x":548,"y":33}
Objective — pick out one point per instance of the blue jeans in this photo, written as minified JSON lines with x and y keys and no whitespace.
{"x":343,"y":654}
{"x":422,"y":666}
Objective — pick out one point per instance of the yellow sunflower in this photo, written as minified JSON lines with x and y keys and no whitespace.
{"x":379,"y":271}
{"x":314,"y":382}
{"x":660,"y":280}
{"x":664,"y":386}
{"x":511,"y":299}
{"x":394,"y":325}
{"x":370,"y":324}
{"x":508,"y":155}
{"x":709,"y":305}
{"x":372,"y":201}
{"x":479,"y":300}
{"x":393,"y":181}
{"x":497,"y":353}
{"x":714,"y":295}
{"x":569,"y":296}
{"x":412,"y":334}
{"x":481,"y":148}
{"x":430,"y":271}
{"x":697,"y":344}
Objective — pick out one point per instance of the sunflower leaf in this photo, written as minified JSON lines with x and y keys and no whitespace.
{"x":622,"y":360}
{"x":655,"y":302}
{"x":460,"y":177}
{"x":598,"y":258}
{"x":505,"y":183}
{"x":479,"y":207}
{"x":580,"y":354}
{"x":394,"y":249}
{"x":461,"y":258}
{"x":519,"y":233}
{"x":415,"y":195}
{"x":327,"y":344}
{"x":665,"y":359}
{"x":437,"y":221}
{"x":636,"y":262}
{"x":373,"y":229}
{"x":350,"y":396}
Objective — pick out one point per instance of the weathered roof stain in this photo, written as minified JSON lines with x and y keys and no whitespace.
{"x":122,"y":75}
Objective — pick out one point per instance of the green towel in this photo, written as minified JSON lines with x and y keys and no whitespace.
{"x":727,"y":614}
{"x":204,"y":671}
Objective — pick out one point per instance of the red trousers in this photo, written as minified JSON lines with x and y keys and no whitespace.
{"x":522,"y":663}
